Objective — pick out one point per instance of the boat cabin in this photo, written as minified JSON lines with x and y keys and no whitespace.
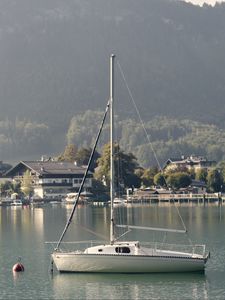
{"x":118,"y":248}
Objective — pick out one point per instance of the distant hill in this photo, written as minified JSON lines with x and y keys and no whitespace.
{"x":54,"y":59}
{"x":165,"y":138}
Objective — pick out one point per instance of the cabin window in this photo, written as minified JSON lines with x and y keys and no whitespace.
{"x":122,"y":250}
{"x":100,"y":250}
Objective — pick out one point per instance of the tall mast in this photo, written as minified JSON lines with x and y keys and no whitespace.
{"x":111,"y":96}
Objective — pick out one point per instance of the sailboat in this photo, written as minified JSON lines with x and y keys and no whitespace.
{"x":127,"y":256}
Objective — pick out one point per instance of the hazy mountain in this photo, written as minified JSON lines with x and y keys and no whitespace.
{"x":54,"y":58}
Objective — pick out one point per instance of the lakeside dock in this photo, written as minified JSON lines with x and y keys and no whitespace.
{"x":143,"y":198}
{"x":199,"y":198}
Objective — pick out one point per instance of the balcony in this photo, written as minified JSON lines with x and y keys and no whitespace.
{"x":53,"y":184}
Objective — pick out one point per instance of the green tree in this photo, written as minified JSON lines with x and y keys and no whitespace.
{"x":201,"y":175}
{"x":139,"y":171}
{"x":160,"y":179}
{"x":178,"y":180}
{"x":222,"y":170}
{"x":147,"y":177}
{"x":83,"y":155}
{"x":102,"y":172}
{"x":69,"y":153}
{"x":124,"y":166}
{"x":99,"y":190}
{"x":214,"y":180}
{"x":8,"y":187}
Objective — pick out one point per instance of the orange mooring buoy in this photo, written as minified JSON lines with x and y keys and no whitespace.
{"x":18,"y":267}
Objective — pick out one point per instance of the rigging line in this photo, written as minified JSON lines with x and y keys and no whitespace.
{"x":138,"y":113}
{"x":84,"y":177}
{"x":182,"y":221}
{"x":147,"y":135}
{"x":119,"y":237}
{"x":93,"y":232}
{"x":118,"y":213}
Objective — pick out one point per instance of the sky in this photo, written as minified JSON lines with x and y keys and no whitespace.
{"x":200,"y":2}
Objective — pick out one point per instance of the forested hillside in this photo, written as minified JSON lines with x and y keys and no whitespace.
{"x":54,"y":65}
{"x":166,"y":137}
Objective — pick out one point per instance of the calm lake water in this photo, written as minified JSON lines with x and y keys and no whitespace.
{"x":24,"y":232}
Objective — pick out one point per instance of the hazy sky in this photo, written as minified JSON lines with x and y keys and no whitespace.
{"x":200,"y":2}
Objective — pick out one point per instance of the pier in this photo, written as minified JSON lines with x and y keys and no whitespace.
{"x":198,"y":198}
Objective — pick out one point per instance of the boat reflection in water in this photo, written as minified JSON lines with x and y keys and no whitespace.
{"x":71,"y":198}
{"x":130,"y":286}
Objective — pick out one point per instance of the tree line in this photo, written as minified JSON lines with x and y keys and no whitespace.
{"x":128,"y":173}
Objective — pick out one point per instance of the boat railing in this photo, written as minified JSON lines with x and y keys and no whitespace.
{"x":76,"y":245}
{"x":190,"y":249}
{"x":80,"y":246}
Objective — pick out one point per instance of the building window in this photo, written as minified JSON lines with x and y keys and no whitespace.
{"x":77,"y":181}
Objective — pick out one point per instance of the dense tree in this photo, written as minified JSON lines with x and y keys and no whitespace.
{"x":15,"y":134}
{"x":8,"y":187}
{"x":83,"y":155}
{"x":103,"y":169}
{"x":69,"y":154}
{"x":139,"y":171}
{"x":160,"y":179}
{"x":147,"y":177}
{"x":83,"y":128}
{"x":201,"y":175}
{"x":124,"y":166}
{"x":99,"y":190}
{"x":214,"y":180}
{"x":178,"y":180}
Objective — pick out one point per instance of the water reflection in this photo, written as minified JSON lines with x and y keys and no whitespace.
{"x":24,"y":232}
{"x":152,"y":286}
{"x":17,"y":276}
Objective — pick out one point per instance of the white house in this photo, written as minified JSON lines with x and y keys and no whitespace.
{"x":51,"y":179}
{"x":190,"y":162}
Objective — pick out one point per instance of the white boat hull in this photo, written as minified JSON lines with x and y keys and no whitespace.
{"x":98,"y":263}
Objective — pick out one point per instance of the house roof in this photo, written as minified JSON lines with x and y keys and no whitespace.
{"x":48,"y":167}
{"x":174,"y":159}
{"x":190,"y":160}
{"x":197,"y":183}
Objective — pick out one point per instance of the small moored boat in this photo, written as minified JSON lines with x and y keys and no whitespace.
{"x":127,"y":256}
{"x":17,"y":202}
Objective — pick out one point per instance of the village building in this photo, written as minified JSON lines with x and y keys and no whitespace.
{"x":188,"y":163}
{"x":51,"y":179}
